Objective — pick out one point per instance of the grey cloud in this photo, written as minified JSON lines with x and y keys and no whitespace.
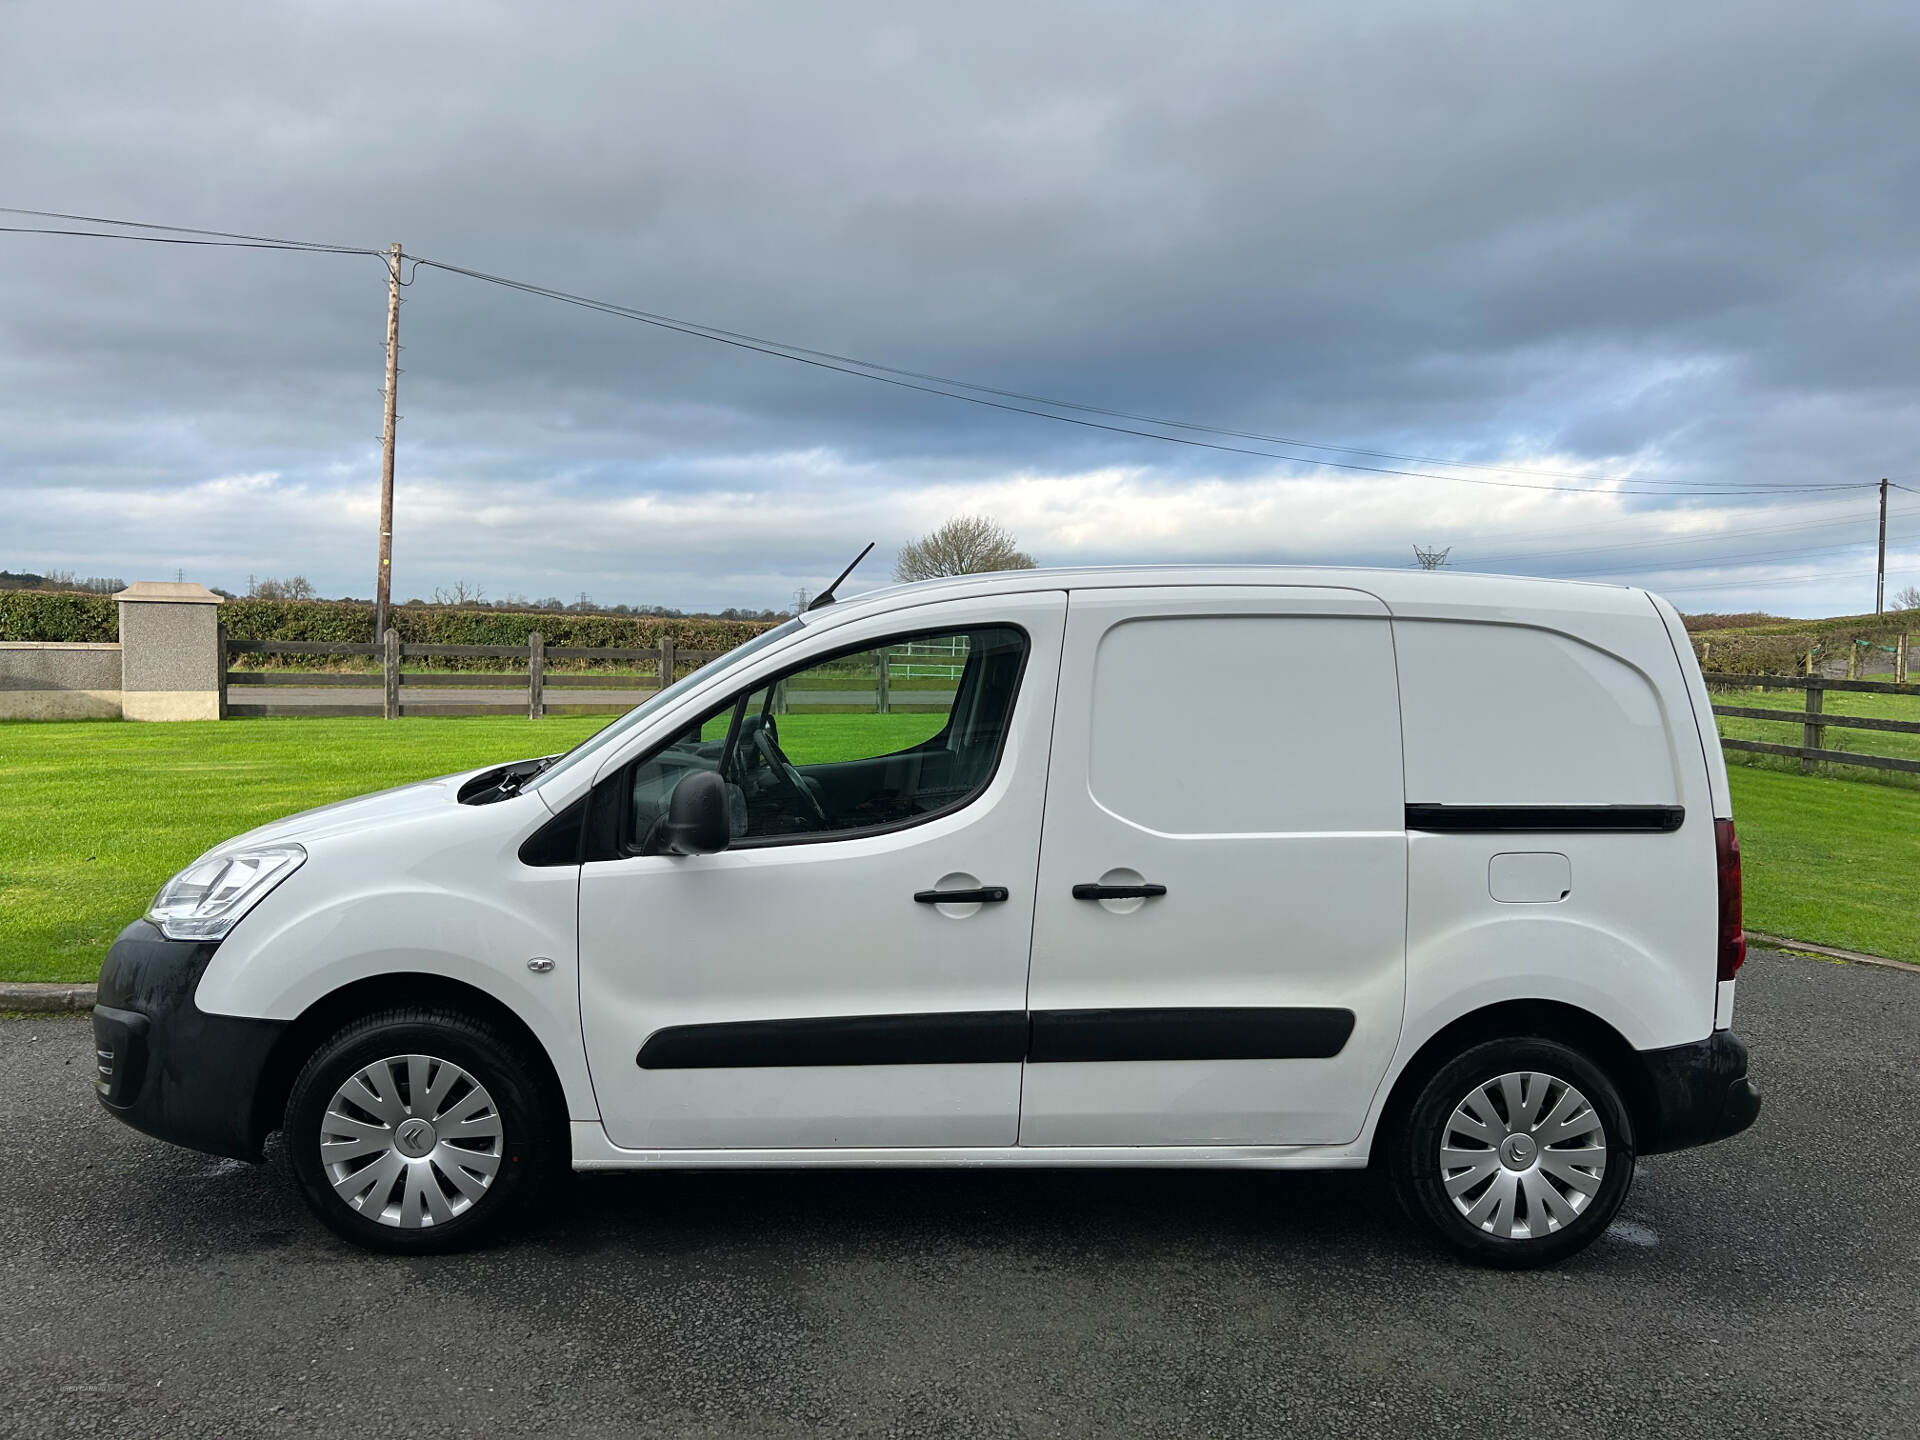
{"x":1673,"y":236}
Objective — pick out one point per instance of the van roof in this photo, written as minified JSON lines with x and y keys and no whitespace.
{"x":1402,"y":590}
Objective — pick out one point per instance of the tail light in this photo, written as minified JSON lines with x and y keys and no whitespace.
{"x":1733,"y":939}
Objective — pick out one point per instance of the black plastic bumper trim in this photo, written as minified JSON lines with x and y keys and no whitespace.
{"x":176,"y":1072}
{"x":119,"y":1054}
{"x":1697,"y":1094}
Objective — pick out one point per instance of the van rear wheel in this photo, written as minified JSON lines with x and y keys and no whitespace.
{"x":1518,"y":1153}
{"x":417,"y":1129}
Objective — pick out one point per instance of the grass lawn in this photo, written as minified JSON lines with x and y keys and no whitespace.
{"x":93,"y":817}
{"x":1835,"y":862}
{"x":1835,"y":737}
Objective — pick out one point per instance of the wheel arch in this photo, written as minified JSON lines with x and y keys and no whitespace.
{"x":1522,"y":1019}
{"x":340,"y":1007}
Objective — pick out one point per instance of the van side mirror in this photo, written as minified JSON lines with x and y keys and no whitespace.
{"x":697,"y":816}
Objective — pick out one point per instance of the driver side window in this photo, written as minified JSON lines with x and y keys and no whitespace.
{"x":860,"y":741}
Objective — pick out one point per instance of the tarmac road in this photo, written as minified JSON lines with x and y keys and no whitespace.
{"x":1768,"y":1285}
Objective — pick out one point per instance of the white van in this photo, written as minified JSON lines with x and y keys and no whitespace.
{"x":1274,"y":868}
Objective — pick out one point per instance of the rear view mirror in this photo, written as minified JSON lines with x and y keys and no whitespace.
{"x":697,"y":816}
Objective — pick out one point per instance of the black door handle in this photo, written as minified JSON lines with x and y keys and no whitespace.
{"x":985,"y":895}
{"x":1117,"y":892}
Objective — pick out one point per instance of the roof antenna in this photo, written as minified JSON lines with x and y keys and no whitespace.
{"x":825,"y":597}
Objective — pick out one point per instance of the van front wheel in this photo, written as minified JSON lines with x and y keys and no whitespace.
{"x":417,"y":1129}
{"x":1518,"y":1153}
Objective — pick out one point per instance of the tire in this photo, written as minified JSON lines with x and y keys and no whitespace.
{"x":438,"y":1127}
{"x":1512,"y":1136}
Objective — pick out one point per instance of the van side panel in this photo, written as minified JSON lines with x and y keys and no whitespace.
{"x":1558,"y":721}
{"x":1696,"y":686}
{"x":438,"y":893}
{"x":1239,"y":751}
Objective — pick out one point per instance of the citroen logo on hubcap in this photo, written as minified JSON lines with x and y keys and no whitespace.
{"x":414,"y":1138}
{"x":1518,"y":1151}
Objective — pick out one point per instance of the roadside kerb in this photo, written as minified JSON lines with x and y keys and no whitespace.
{"x":41,"y":998}
{"x":1830,"y":952}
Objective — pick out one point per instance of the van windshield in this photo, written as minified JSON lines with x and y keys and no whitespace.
{"x":639,"y":715}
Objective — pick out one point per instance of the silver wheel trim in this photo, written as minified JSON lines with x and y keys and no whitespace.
{"x":1523,"y":1155}
{"x":411,"y":1141}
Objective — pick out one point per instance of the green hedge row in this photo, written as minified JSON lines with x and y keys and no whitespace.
{"x":1834,"y":628}
{"x":1758,"y":654}
{"x":58,"y":615}
{"x":45,"y":615}
{"x":1784,"y":652}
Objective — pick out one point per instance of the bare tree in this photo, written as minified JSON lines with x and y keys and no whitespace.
{"x":1908,"y":599}
{"x":965,"y":545}
{"x":294,"y":587}
{"x":461,"y":594}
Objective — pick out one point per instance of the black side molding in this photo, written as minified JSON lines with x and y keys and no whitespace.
{"x":1546,"y":819}
{"x":1233,"y":1033}
{"x":1003,"y":1037}
{"x":965,"y":1037}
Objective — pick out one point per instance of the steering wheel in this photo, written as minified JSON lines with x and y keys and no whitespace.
{"x":769,"y":751}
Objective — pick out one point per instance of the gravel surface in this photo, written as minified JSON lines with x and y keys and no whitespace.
{"x":1767,"y":1285}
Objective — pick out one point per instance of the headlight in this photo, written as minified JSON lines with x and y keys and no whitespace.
{"x":207,"y":899}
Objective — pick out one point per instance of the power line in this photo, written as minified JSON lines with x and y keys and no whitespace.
{"x":928,"y":383}
{"x":1639,"y":519}
{"x":178,"y":230}
{"x":1704,"y":538}
{"x":874,"y":369}
{"x":179,"y":240}
{"x":1708,"y":562}
{"x":1761,"y":583}
{"x":866,"y":371}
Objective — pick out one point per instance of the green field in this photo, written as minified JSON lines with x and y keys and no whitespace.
{"x":1835,"y":737}
{"x":93,"y":817}
{"x":1835,"y":862}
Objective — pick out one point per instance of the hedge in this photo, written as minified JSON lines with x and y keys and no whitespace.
{"x":1781,"y":646}
{"x":58,"y":615}
{"x":1757,"y":654}
{"x":46,"y":615}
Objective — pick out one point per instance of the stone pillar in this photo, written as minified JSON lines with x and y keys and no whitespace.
{"x":169,"y":651}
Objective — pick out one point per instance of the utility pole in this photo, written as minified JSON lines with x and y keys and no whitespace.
{"x":383,"y":586}
{"x":1880,"y":575}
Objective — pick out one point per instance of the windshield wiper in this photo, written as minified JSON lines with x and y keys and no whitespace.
{"x":513,"y":780}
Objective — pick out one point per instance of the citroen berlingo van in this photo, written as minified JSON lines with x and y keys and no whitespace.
{"x":1271,"y":868}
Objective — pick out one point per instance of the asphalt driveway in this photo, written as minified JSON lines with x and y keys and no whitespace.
{"x":1769,"y":1285}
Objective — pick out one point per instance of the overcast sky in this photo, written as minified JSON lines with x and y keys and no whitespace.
{"x":1662,"y":248}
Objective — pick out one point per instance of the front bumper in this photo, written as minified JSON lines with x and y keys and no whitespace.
{"x":165,"y":1066}
{"x":1696,"y":1094}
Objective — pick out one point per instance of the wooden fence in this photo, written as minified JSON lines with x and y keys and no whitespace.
{"x":401,"y":689}
{"x":1814,"y":721}
{"x":663,"y":662}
